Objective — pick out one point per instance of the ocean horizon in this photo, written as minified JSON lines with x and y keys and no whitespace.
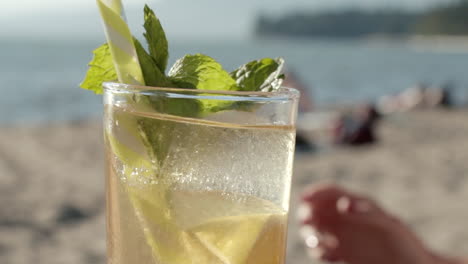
{"x":40,"y":78}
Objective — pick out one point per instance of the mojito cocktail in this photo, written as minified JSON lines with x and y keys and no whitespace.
{"x":199,"y":189}
{"x":198,"y":172}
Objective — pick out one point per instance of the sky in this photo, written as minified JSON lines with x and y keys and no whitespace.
{"x":182,"y":19}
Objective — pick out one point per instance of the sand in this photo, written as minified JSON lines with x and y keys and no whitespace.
{"x":52,"y":185}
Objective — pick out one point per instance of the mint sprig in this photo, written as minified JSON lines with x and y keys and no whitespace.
{"x":259,"y":75}
{"x":192,"y":71}
{"x":201,"y":72}
{"x":156,"y":38}
{"x":152,"y":73}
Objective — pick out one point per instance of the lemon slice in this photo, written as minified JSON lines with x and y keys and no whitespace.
{"x":231,"y":239}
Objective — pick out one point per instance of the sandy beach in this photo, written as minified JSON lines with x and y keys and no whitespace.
{"x":52,"y":185}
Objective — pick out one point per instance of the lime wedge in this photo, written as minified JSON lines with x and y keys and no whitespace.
{"x":166,"y":240}
{"x":231,"y":239}
{"x":235,"y":228}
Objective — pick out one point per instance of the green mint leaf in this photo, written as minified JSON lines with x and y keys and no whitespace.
{"x":101,"y":69}
{"x":154,"y":77}
{"x":259,"y":75}
{"x":151,"y":72}
{"x":156,"y":135}
{"x":156,"y":38}
{"x":201,"y":72}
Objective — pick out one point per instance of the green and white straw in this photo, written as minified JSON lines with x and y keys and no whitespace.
{"x":120,"y":42}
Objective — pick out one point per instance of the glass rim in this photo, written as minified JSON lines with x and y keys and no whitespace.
{"x":282,"y":94}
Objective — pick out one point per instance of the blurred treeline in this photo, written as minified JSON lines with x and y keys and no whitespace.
{"x":443,"y":20}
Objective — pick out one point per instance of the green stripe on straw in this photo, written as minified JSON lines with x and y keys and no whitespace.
{"x":120,"y":42}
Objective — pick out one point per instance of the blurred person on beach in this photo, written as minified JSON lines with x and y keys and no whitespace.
{"x":445,"y":96}
{"x":339,"y":225}
{"x":418,"y":97}
{"x":291,"y":79}
{"x":357,"y":128}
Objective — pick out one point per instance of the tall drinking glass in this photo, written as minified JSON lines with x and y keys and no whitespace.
{"x":197,"y":176}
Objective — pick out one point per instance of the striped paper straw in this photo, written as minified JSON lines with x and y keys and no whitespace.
{"x":120,"y":42}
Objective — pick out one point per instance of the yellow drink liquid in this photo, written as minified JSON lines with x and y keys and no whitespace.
{"x":218,"y":197}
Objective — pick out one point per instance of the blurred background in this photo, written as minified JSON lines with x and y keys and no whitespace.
{"x":384,"y":84}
